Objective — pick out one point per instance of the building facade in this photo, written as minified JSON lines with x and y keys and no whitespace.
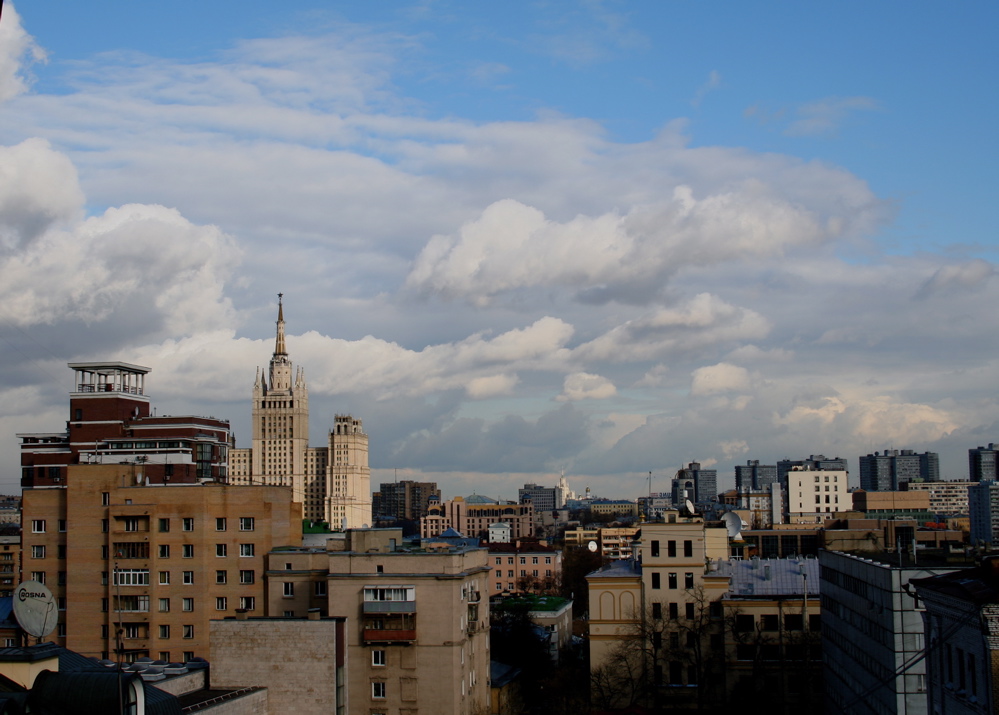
{"x":704,"y":481}
{"x":332,"y":482}
{"x":151,"y":563}
{"x":983,"y":513}
{"x":472,"y":516}
{"x":755,"y":476}
{"x":887,"y":471}
{"x":818,"y":462}
{"x":815,"y":495}
{"x":523,"y":565}
{"x":417,"y":636}
{"x":407,"y":499}
{"x":982,"y":463}
{"x":949,"y":498}
{"x":872,"y":635}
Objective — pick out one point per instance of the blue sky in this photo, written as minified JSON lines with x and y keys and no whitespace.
{"x":515,"y":238}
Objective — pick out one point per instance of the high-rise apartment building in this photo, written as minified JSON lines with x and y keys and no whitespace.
{"x":755,"y":476}
{"x":543,"y":498}
{"x":703,"y":481}
{"x":885,"y":471}
{"x":983,"y":510}
{"x":332,"y":482}
{"x":948,"y":498}
{"x":404,"y":500}
{"x":982,"y":463}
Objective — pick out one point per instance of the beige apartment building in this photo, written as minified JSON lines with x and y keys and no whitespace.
{"x":333,"y":482}
{"x":417,"y":634}
{"x":473,"y":515}
{"x":946,"y":498}
{"x":815,"y":495}
{"x":151,"y":562}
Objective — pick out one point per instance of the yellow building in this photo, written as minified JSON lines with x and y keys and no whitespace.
{"x":417,"y":633}
{"x":151,"y":562}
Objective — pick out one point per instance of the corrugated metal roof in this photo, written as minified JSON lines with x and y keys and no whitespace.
{"x":762,"y":578}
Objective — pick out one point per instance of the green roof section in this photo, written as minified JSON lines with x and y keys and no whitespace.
{"x":531,"y":602}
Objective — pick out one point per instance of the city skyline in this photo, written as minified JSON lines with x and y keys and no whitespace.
{"x":599,"y":238}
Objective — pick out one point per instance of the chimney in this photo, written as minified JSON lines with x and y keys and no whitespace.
{"x":240,"y":614}
{"x":313,"y":614}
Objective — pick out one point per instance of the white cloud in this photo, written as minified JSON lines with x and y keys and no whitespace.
{"x":713,"y":82}
{"x":965,"y":276}
{"x":720,"y":378}
{"x":585,"y":386}
{"x":17,"y":51}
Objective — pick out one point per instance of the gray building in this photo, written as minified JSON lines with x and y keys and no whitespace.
{"x":983,"y":511}
{"x":886,"y":471}
{"x":404,"y":500}
{"x":755,"y":476}
{"x":704,"y":482}
{"x":872,"y":634}
{"x":982,"y":463}
{"x":543,"y":498}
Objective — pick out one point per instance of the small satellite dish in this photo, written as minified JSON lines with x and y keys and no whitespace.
{"x":733,"y":522}
{"x":592,"y":546}
{"x":690,"y":507}
{"x":138,"y":478}
{"x":35,"y":608}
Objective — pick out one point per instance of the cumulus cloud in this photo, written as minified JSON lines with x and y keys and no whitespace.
{"x":611,"y":257}
{"x":720,"y":378}
{"x":584,"y":386}
{"x":38,"y":189}
{"x":18,"y":50}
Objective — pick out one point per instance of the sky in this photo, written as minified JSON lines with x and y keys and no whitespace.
{"x":515,"y":239}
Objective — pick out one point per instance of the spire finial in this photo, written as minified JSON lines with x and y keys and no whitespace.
{"x":279,"y":348}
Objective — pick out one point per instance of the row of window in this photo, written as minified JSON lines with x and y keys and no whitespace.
{"x":523,"y":572}
{"x":671,"y":580}
{"x":140,"y":604}
{"x":140,"y":577}
{"x":523,"y":560}
{"x":38,"y":526}
{"x":319,"y":589}
{"x":139,"y":551}
{"x":688,"y":549}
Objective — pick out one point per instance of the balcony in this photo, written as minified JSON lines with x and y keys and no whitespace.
{"x":373,"y":607}
{"x":382,"y":635}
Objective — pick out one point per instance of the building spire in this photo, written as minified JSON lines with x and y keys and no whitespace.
{"x":279,"y":348}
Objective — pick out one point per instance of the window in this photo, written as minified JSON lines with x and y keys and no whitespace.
{"x":220,"y":523}
{"x":688,"y":580}
{"x":655,"y":548}
{"x":189,"y":631}
{"x":62,"y":525}
{"x":247,"y":603}
{"x":164,"y":631}
{"x":38,"y":526}
{"x":246,"y":523}
{"x":164,"y":578}
{"x":164,"y":551}
{"x":377,"y":657}
{"x":378,"y":689}
{"x":38,"y":551}
{"x":188,"y":578}
{"x":105,"y":525}
{"x":246,"y":549}
{"x":221,"y":603}
{"x":657,"y":610}
{"x":770,"y":622}
{"x":105,"y":498}
{"x":164,"y":525}
{"x":188,"y":551}
{"x":131,"y":577}
{"x":656,"y":580}
{"x":688,"y":549}
{"x":289,"y":589}
{"x":246,"y":577}
{"x":188,"y":524}
{"x":187,"y":604}
{"x":221,"y":550}
{"x":672,"y":579}
{"x":689,"y":611}
{"x":164,"y":605}
{"x":130,"y":523}
{"x":320,"y":588}
{"x":744,"y":623}
{"x":188,"y":655}
{"x":221,"y":576}
{"x":671,"y":549}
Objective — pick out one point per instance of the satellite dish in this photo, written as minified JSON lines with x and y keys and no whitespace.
{"x":592,"y":546}
{"x":733,"y":522}
{"x":138,"y":478}
{"x":35,"y":608}
{"x":690,"y":507}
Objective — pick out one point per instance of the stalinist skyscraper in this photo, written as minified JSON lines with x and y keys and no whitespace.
{"x":332,"y":482}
